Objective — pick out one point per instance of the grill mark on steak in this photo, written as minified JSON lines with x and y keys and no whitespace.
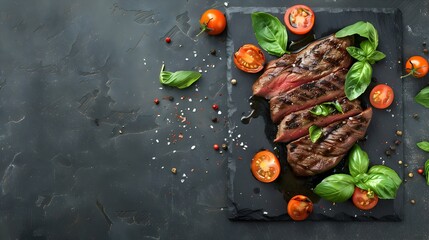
{"x":317,"y":60}
{"x":307,"y":158}
{"x":295,"y":125}
{"x":309,"y":94}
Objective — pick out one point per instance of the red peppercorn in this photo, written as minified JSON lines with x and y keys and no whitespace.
{"x":215,"y":107}
{"x":420,"y":171}
{"x":216,"y":147}
{"x":156,"y":101}
{"x":168,"y":40}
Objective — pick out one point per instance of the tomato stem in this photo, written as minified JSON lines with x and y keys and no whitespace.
{"x":413,"y":71}
{"x":205,"y":28}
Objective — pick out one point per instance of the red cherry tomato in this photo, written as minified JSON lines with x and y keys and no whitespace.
{"x":265,"y":166}
{"x":299,"y":207}
{"x":416,"y":66}
{"x":249,"y":58}
{"x":213,"y":22}
{"x":381,"y":96}
{"x":299,"y":19}
{"x":363,"y":199}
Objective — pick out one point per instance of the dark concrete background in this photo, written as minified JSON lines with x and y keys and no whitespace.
{"x":86,"y":154}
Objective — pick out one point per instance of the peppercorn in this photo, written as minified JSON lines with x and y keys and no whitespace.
{"x":216,"y":147}
{"x":388,"y":153}
{"x":168,"y":40}
{"x":412,"y":201}
{"x":420,"y":171}
{"x":399,"y":132}
{"x":397,"y":142}
{"x":400,"y":162}
{"x":214,"y":119}
{"x":213,"y":52}
{"x":234,"y":81}
{"x":215,"y":107}
{"x":224,"y":146}
{"x":97,"y":122}
{"x":156,"y":101}
{"x":416,"y":116}
{"x":174,"y":170}
{"x":425,"y":51}
{"x":410,"y":175}
{"x":170,"y":98}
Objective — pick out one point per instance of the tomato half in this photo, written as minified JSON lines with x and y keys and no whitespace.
{"x":381,"y":96}
{"x":249,"y":58}
{"x":364,"y":200}
{"x":265,"y":166}
{"x":299,"y":19}
{"x":213,"y":22}
{"x":416,"y":66}
{"x":299,"y":207}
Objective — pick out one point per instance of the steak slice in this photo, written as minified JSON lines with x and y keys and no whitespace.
{"x":296,"y":125}
{"x":309,"y":94}
{"x":307,"y":158}
{"x":317,"y":60}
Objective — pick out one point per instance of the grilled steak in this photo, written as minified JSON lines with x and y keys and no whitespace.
{"x":295,"y":125}
{"x":307,"y":158}
{"x":317,"y":60}
{"x":309,"y":94}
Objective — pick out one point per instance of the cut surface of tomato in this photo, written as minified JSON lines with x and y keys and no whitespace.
{"x":363,"y":199}
{"x":381,"y":96}
{"x":265,"y":166}
{"x":249,"y":58}
{"x":299,"y":19}
{"x":299,"y":207}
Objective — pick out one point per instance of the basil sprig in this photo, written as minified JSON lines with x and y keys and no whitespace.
{"x":270,"y":33}
{"x":326,"y":108}
{"x":424,"y":145}
{"x":423,"y":97}
{"x":380,"y":179}
{"x":179,"y":79}
{"x":427,"y":171}
{"x":315,"y":133}
{"x":359,"y":76}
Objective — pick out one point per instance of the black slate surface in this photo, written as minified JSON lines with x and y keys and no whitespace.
{"x":64,"y":177}
{"x":253,"y":200}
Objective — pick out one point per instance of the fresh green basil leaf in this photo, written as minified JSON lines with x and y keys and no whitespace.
{"x":315,"y":133}
{"x":360,"y":180}
{"x":423,"y":145}
{"x":367,"y":47}
{"x":270,"y":33}
{"x":357,"y":80}
{"x":363,"y":29}
{"x":387,"y":171}
{"x":356,"y":53}
{"x":427,"y":171}
{"x":336,"y":188}
{"x":375,"y":57}
{"x":337,"y":106}
{"x":358,"y":161}
{"x":179,"y":79}
{"x":321,"y":110}
{"x":423,"y":97}
{"x":382,"y":185}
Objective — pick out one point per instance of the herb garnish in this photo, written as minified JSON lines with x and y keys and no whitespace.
{"x":315,"y":133}
{"x":270,"y":33}
{"x":326,"y":108}
{"x":179,"y":79}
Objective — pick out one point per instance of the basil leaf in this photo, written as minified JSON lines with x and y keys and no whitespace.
{"x":326,"y":108}
{"x":337,"y":106}
{"x":424,"y":145}
{"x":382,"y":185}
{"x":336,"y":188}
{"x":367,"y":47}
{"x":423,"y":97}
{"x":427,"y":171}
{"x":270,"y":33}
{"x":356,"y":53}
{"x":357,"y":80}
{"x":360,"y":180}
{"x":380,"y":169}
{"x":315,"y":133}
{"x":179,"y":79}
{"x":375,"y":57}
{"x":363,"y":29}
{"x":358,"y":161}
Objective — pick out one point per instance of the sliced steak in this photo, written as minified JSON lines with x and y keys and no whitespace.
{"x":309,"y":94}
{"x":307,"y":158}
{"x":296,"y":125}
{"x":317,"y":60}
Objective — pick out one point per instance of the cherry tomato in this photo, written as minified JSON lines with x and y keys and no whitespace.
{"x":265,"y":166}
{"x":299,"y":19}
{"x":249,"y":58}
{"x":363,"y":199}
{"x":381,"y":96}
{"x":213,"y":22}
{"x":299,"y":207}
{"x":416,"y":66}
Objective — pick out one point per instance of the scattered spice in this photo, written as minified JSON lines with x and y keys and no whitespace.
{"x":170,"y":98}
{"x":399,"y":132}
{"x":97,"y":122}
{"x":397,"y":142}
{"x":168,"y":40}
{"x":400,"y":162}
{"x":213,"y":52}
{"x":214,"y":119}
{"x":416,"y":116}
{"x":420,"y":171}
{"x":425,"y":50}
{"x":388,"y":153}
{"x":412,"y":201}
{"x":215,"y":107}
{"x":234,"y":81}
{"x":224,"y":146}
{"x":174,"y":170}
{"x":156,"y":101}
{"x":410,"y":175}
{"x":216,"y":147}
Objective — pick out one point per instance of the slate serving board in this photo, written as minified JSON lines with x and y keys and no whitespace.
{"x":250,"y":199}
